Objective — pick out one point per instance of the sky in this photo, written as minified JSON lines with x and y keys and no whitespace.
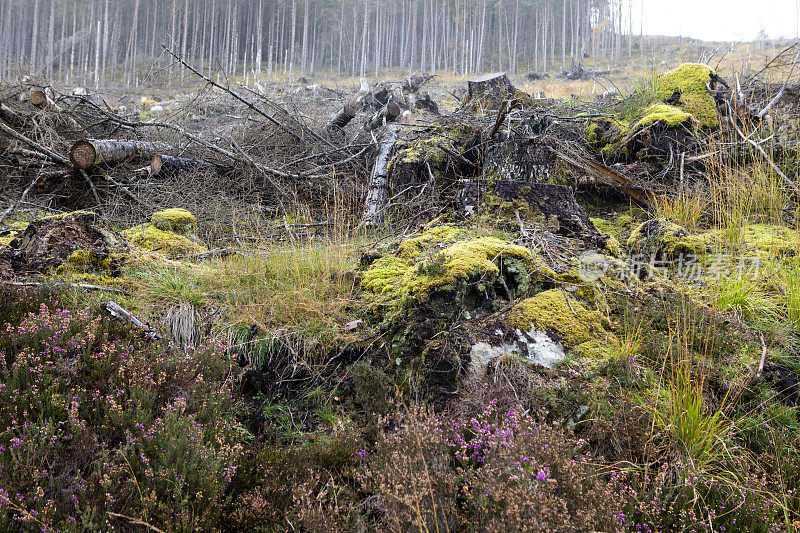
{"x":718,"y":20}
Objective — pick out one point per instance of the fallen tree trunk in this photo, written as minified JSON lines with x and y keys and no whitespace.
{"x":378,"y":191}
{"x":118,"y":312}
{"x":387,"y":114}
{"x":89,"y":152}
{"x":10,"y":117}
{"x":162,"y":164}
{"x":342,"y":118}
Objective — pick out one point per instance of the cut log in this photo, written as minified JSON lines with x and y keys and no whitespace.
{"x":342,"y":118}
{"x":37,"y":98}
{"x":387,"y":114}
{"x":162,"y":164}
{"x":489,"y":90}
{"x":378,"y":191}
{"x":88,"y":152}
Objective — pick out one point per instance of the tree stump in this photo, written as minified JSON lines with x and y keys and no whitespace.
{"x":527,"y":198}
{"x":489,"y":90}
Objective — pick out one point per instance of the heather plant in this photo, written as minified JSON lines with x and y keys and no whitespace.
{"x":100,"y":424}
{"x":494,"y":471}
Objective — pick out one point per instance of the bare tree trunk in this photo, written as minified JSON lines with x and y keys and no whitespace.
{"x":35,"y":35}
{"x":378,"y":191}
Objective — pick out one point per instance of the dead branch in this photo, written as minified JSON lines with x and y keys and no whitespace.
{"x":13,"y":206}
{"x":378,"y":190}
{"x":116,"y":311}
{"x":61,"y":160}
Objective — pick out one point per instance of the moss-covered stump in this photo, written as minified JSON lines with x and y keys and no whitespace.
{"x":434,"y":280}
{"x":666,"y":239}
{"x":175,"y":220}
{"x":171,"y":232}
{"x":47,"y":243}
{"x":441,"y":155}
{"x":552,"y":206}
{"x":606,"y":136}
{"x":444,"y":263}
{"x":568,"y":320}
{"x":694,"y":88}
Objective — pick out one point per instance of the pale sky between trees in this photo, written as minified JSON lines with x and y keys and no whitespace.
{"x":719,"y":20}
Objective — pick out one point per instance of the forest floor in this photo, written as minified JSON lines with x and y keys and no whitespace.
{"x":605,"y":337}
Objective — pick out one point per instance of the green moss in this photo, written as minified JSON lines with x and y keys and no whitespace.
{"x":692,"y":80}
{"x":624,"y":222}
{"x":85,"y":261}
{"x":670,"y":115}
{"x":432,"y":261}
{"x":668,"y":239}
{"x":149,"y":237}
{"x":12,"y":233}
{"x":466,"y":260}
{"x":432,"y":150}
{"x":383,"y":274}
{"x":433,"y":236}
{"x":71,"y":214}
{"x":176,"y":220}
{"x":579,"y":328}
{"x":772,"y":239}
{"x":613,"y":246}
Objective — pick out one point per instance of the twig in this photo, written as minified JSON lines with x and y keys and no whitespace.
{"x":87,"y":286}
{"x":763,"y":152}
{"x":763,"y":356}
{"x":232,"y":93}
{"x":783,"y":88}
{"x":21,"y":199}
{"x":264,"y":172}
{"x":33,"y":144}
{"x":115,"y":310}
{"x":136,"y":522}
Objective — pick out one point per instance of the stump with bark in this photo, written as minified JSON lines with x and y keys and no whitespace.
{"x":489,"y":91}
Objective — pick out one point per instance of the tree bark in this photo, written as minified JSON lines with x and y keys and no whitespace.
{"x":162,"y":164}
{"x":87,"y":153}
{"x":378,"y":192}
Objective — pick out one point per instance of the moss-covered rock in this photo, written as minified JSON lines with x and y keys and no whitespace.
{"x":578,"y":328}
{"x":443,"y":258}
{"x":664,"y":238}
{"x":691,"y":80}
{"x":148,"y":237}
{"x":175,"y":220}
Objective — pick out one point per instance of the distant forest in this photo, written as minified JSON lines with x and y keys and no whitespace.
{"x":101,"y":41}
